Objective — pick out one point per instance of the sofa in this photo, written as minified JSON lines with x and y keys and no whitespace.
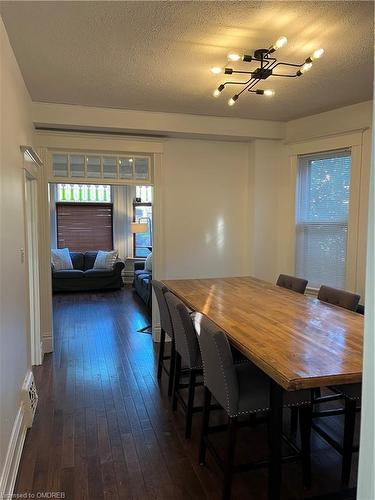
{"x":142,"y":283}
{"x":83,"y":277}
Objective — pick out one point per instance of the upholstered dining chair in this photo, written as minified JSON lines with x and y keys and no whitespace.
{"x":292,"y":283}
{"x":165,"y":328}
{"x":350,"y":393}
{"x":337,"y":297}
{"x":187,"y":354}
{"x":242,"y":390}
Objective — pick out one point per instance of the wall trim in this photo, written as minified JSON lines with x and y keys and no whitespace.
{"x":13,"y":456}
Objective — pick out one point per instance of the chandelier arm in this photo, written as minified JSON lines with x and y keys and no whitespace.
{"x":248,"y":87}
{"x":287,"y":76}
{"x":288,"y":64}
{"x":237,"y":83}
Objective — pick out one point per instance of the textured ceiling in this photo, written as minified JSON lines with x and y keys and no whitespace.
{"x":155,"y":55}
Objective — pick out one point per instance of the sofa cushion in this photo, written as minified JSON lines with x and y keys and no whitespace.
{"x":77,"y":260}
{"x":89,"y":259}
{"x":68,"y":274}
{"x":105,"y":260}
{"x":60,"y":258}
{"x":98,"y":273}
{"x":141,"y":272}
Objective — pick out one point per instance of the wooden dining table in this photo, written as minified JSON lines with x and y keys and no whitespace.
{"x":297,"y":340}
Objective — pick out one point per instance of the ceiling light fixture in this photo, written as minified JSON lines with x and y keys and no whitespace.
{"x":266,"y":68}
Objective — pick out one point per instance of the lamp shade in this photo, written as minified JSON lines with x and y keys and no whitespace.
{"x":139,"y":227}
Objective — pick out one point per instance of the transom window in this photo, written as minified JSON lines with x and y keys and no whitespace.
{"x":86,"y":193}
{"x":322,"y":217}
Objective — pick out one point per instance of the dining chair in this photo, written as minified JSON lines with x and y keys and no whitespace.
{"x":165,"y":328}
{"x":350,"y":393}
{"x":292,"y":283}
{"x":242,"y":390}
{"x":187,"y":354}
{"x":337,"y":297}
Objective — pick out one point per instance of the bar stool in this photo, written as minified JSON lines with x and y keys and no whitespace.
{"x":350,"y":393}
{"x":242,"y":391}
{"x":188,"y":353}
{"x":166,"y":327}
{"x":292,"y":283}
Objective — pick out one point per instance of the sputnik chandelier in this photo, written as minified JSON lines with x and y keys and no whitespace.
{"x":267,"y":65}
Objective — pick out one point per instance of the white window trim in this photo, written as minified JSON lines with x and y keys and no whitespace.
{"x":354,"y":142}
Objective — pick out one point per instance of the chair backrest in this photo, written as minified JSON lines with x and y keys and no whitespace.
{"x":339,"y":298}
{"x":219,"y":374}
{"x":292,"y":283}
{"x":184,"y":333}
{"x":165,"y":318}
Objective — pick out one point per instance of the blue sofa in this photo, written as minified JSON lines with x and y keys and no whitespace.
{"x":142,"y":283}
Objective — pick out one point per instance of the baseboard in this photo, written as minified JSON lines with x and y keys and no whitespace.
{"x":47,"y":342}
{"x":13,"y":456}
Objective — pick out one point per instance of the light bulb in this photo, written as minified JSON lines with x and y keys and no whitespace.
{"x":280,"y":42}
{"x":269,"y":93}
{"x":216,"y":70}
{"x":306,"y":67}
{"x":233,"y":100}
{"x":217,"y":91}
{"x":317,"y":54}
{"x":234,"y":57}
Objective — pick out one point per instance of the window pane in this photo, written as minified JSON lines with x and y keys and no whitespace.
{"x":322,"y":218}
{"x":126,"y":168}
{"x":143,"y":241}
{"x":84,"y":193}
{"x":60,"y":165}
{"x":110,"y":168}
{"x":77,"y":166}
{"x":141,"y":168}
{"x":144,"y":193}
{"x":93,"y":167}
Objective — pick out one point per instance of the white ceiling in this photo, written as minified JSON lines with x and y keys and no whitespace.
{"x":155,"y":56}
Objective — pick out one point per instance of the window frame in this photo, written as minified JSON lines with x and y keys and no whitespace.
{"x":354,"y":142}
{"x":140,"y":204}
{"x":302,"y":222}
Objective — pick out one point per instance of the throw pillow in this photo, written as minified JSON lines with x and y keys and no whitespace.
{"x":148,"y":263}
{"x":105,"y":260}
{"x":61,"y":260}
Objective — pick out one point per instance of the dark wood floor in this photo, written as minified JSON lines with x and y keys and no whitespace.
{"x":104,"y":429}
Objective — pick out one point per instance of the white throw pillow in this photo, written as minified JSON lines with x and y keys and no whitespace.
{"x":148,"y":263}
{"x":61,"y":260}
{"x":105,"y":260}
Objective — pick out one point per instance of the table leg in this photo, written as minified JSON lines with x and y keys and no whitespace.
{"x":274,"y":436}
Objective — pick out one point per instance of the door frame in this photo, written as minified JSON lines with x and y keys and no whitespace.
{"x":30,"y":255}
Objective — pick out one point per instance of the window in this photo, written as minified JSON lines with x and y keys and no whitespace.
{"x":83,"y":193}
{"x":84,"y":217}
{"x":322,"y":217}
{"x":142,"y":212}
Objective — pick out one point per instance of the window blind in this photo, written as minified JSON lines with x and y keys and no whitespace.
{"x":83,"y":227}
{"x":322,"y":211}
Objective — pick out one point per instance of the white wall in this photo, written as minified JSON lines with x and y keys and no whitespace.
{"x":205,"y":209}
{"x":16,"y":130}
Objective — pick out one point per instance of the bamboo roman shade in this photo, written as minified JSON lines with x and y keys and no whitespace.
{"x":83,"y":227}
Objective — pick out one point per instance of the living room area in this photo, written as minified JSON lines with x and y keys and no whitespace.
{"x":114,"y":221}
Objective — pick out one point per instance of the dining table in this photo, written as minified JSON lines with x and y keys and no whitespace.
{"x":298,"y":341}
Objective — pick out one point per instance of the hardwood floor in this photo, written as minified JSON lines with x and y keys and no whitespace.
{"x":104,"y":428}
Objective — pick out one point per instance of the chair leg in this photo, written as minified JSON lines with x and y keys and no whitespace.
{"x":171,"y":368}
{"x":176,"y":380}
{"x":349,"y":425}
{"x":305,"y":414}
{"x":190,"y":404}
{"x":229,"y":458}
{"x":161,"y":353}
{"x":293,"y":420}
{"x":205,"y":422}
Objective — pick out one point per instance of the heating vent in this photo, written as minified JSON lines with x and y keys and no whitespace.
{"x":29,"y":399}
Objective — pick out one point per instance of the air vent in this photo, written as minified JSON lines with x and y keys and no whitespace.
{"x":29,"y":399}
